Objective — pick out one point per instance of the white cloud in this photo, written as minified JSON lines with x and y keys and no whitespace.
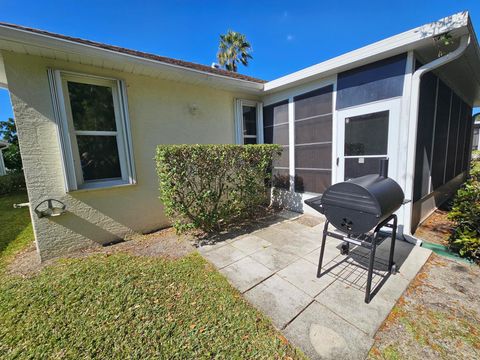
{"x":290,"y":37}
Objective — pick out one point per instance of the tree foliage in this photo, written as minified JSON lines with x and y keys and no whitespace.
{"x":466,"y":215}
{"x":233,"y":49}
{"x":11,"y":155}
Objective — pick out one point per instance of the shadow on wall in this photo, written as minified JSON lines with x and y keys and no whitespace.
{"x":87,"y":229}
{"x":425,"y":206}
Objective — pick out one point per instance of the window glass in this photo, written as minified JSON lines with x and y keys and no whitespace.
{"x":92,"y":107}
{"x":249,"y":120}
{"x":366,"y":134}
{"x":99,"y":157}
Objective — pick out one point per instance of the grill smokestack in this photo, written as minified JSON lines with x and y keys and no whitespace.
{"x":384,"y":168}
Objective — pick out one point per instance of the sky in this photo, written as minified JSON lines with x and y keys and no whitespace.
{"x":286,"y":36}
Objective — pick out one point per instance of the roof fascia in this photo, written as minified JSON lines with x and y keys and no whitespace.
{"x":28,"y":38}
{"x":384,"y":48}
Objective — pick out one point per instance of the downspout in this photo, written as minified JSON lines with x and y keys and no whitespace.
{"x":412,"y":130}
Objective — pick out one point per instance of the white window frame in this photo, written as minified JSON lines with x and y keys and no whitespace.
{"x":67,"y":134}
{"x":239,"y":136}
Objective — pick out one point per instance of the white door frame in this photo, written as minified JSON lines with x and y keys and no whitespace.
{"x":393,"y":106}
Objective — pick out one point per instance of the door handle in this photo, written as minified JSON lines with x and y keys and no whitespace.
{"x":338,"y":160}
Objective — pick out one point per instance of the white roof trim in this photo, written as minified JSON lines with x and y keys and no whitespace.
{"x":390,"y":46}
{"x":26,"y":37}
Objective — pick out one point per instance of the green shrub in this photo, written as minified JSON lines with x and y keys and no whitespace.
{"x":12,"y":182}
{"x":466,"y":214}
{"x":209,"y":187}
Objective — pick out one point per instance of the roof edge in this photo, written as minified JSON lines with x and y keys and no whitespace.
{"x":101,"y":47}
{"x":390,"y":46}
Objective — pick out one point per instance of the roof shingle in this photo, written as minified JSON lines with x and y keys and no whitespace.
{"x":163,"y":59}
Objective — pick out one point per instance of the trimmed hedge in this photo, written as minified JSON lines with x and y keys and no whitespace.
{"x":466,"y":214}
{"x":12,"y":182}
{"x":210,"y":187}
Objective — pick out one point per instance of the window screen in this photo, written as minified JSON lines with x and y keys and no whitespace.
{"x":468,"y":132}
{"x":461,"y":139}
{"x":366,"y":134}
{"x":380,"y":80}
{"x":426,"y":119}
{"x":275,"y":123}
{"x":452,"y":138}
{"x":441,"y":134}
{"x":313,"y":140}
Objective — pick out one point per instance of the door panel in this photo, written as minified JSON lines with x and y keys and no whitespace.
{"x":367,"y":134}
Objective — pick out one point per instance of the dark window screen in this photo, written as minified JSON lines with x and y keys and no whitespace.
{"x":313,"y":140}
{"x":450,"y":122}
{"x":426,"y":119}
{"x":452,"y":138}
{"x":468,"y":147}
{"x":380,"y":80}
{"x":356,"y":167}
{"x":367,"y":134}
{"x":275,"y":131}
{"x":461,"y":139}
{"x":441,"y":134}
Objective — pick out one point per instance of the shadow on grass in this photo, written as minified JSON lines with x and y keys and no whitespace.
{"x":15,"y":226}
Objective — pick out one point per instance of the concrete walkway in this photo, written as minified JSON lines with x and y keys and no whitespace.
{"x":275,"y":265}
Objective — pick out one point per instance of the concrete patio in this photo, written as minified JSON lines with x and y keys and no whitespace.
{"x":274,"y":265}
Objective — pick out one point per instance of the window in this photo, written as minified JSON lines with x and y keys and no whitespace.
{"x":249,"y":122}
{"x":275,"y":129}
{"x":366,"y":143}
{"x":313,"y":140}
{"x":366,"y":134}
{"x":94,"y":130}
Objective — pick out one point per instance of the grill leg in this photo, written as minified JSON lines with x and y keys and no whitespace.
{"x":370,"y":268}
{"x":392,"y":244}
{"x":322,"y":249}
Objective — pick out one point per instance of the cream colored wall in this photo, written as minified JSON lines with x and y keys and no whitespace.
{"x":159,"y":114}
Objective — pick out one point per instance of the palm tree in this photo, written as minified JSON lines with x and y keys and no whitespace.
{"x":233,"y":48}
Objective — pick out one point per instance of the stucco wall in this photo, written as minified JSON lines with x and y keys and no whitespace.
{"x":159,"y":114}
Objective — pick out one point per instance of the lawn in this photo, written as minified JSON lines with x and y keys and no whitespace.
{"x":125,"y":306}
{"x":15,"y":227}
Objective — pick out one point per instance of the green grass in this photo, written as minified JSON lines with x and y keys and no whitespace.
{"x":15,"y":227}
{"x":122,"y":306}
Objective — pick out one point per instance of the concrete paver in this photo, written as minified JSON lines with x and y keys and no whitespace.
{"x":246,"y":273}
{"x":278,"y":299}
{"x":275,"y":267}
{"x":321,"y":334}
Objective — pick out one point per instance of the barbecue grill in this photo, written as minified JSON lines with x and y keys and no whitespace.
{"x":359,"y":208}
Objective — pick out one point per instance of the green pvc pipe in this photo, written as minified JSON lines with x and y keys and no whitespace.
{"x":444,"y":251}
